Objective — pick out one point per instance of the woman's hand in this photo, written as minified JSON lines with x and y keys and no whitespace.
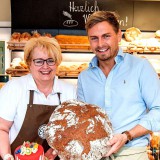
{"x":117,"y":142}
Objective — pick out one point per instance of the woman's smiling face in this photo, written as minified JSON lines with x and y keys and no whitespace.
{"x":44,"y":72}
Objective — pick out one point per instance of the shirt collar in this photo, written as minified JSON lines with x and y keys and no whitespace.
{"x":57,"y":87}
{"x":118,"y":59}
{"x":32,"y":85}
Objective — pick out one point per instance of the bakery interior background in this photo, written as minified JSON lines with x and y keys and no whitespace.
{"x":69,"y":17}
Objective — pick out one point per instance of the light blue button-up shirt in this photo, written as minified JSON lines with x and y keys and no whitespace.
{"x":130,"y":90}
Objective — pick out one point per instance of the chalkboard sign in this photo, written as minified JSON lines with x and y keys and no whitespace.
{"x":34,"y":14}
{"x":72,"y":14}
{"x":147,"y":15}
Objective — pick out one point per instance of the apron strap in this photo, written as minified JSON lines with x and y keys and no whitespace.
{"x":59,"y":97}
{"x":31,"y":98}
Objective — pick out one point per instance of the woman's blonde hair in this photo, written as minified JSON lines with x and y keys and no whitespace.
{"x":50,"y":45}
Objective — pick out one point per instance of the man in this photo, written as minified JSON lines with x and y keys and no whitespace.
{"x":125,"y":86}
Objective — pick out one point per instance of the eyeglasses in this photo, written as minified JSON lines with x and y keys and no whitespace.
{"x":40,"y":62}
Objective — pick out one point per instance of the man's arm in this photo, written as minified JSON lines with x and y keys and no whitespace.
{"x":119,"y":140}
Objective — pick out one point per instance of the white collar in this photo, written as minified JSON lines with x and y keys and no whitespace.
{"x":31,"y":85}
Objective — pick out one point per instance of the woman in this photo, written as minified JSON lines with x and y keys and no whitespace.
{"x":32,"y":97}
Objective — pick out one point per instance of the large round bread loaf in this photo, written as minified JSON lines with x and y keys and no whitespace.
{"x":79,"y":131}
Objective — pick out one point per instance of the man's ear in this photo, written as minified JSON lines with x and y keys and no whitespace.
{"x":119,"y":35}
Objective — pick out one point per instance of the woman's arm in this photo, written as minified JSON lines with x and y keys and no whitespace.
{"x":4,"y":137}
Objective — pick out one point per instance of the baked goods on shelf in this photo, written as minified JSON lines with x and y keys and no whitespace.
{"x":157,"y":34}
{"x":25,"y":37}
{"x":29,"y":151}
{"x":35,"y":34}
{"x":17,"y":72}
{"x":15,"y":62}
{"x":79,"y":131}
{"x":132,"y":34}
{"x":20,"y":37}
{"x":71,"y":70}
{"x":82,"y":67}
{"x":144,"y":46}
{"x":15,"y":37}
{"x":69,"y":42}
{"x":18,"y":62}
{"x":136,"y":46}
{"x":17,"y":68}
{"x":133,"y":41}
{"x":18,"y":40}
{"x":23,"y":64}
{"x":47,"y":35}
{"x":153,"y":44}
{"x":123,"y":44}
{"x":14,"y":41}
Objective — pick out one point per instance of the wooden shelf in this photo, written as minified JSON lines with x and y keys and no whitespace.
{"x":85,"y":48}
{"x":17,"y":72}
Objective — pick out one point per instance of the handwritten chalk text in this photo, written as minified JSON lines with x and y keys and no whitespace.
{"x":83,"y":8}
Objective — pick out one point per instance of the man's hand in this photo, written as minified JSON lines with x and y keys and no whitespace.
{"x":50,"y":154}
{"x":116,"y":143}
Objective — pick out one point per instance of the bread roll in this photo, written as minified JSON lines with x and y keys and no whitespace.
{"x":47,"y":35}
{"x":25,"y":37}
{"x":15,"y":62}
{"x":82,"y":67}
{"x":23,"y":64}
{"x":132,"y":34}
{"x":15,"y":37}
{"x":19,"y":67}
{"x":157,"y":34}
{"x":36,"y":35}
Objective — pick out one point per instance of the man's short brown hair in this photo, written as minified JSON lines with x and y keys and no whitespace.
{"x":100,"y":16}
